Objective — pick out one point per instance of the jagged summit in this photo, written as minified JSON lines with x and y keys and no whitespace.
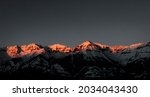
{"x":87,"y":45}
{"x":87,"y":42}
{"x":60,"y":48}
{"x":13,"y":51}
{"x":87,"y":60}
{"x":19,"y":51}
{"x":33,"y":48}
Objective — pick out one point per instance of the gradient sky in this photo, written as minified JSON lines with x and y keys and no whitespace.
{"x":71,"y":22}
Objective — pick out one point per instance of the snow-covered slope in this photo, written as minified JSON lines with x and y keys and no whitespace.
{"x":87,"y":45}
{"x":20,"y":51}
{"x":60,"y":48}
{"x":89,"y":50}
{"x":86,"y":61}
{"x":134,"y":52}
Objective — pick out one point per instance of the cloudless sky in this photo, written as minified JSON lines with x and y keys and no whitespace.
{"x":71,"y":22}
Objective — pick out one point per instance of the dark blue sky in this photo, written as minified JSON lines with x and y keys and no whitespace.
{"x":71,"y":22}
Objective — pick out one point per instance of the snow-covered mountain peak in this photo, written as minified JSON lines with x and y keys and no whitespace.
{"x":87,"y":45}
{"x":32,"y":49}
{"x":60,"y":48}
{"x":20,"y":51}
{"x":13,"y":51}
{"x":124,"y":52}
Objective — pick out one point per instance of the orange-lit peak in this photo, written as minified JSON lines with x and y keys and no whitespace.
{"x":13,"y":51}
{"x":20,"y":51}
{"x":32,"y":49}
{"x":60,"y":48}
{"x":87,"y":45}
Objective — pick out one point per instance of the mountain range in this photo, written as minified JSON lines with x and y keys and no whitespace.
{"x":87,"y":60}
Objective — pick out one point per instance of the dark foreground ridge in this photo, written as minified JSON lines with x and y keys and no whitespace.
{"x":86,"y":61}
